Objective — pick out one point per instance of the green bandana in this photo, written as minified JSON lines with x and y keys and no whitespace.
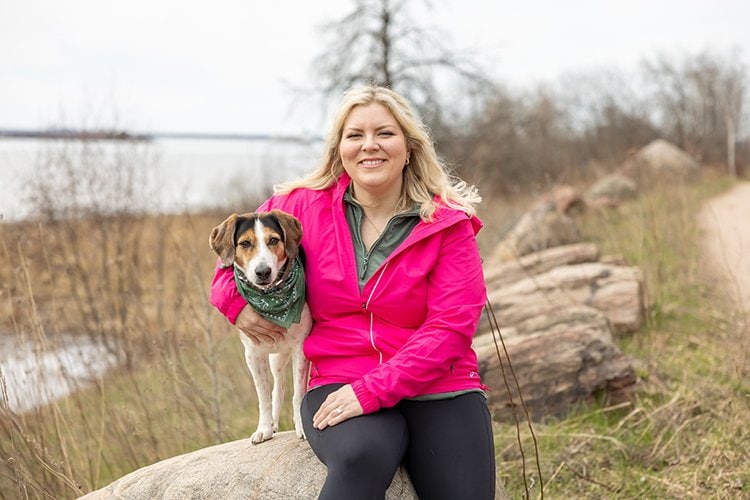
{"x":282,"y":303}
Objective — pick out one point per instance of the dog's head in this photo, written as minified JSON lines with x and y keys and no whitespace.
{"x":258,"y":243}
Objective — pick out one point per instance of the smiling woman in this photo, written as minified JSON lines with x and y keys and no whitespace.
{"x":395,"y":287}
{"x":374,"y":154}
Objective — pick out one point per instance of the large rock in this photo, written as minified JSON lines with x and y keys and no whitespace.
{"x":538,"y":262}
{"x":280,"y":469}
{"x":615,"y":290}
{"x":540,"y":228}
{"x":661,"y":160}
{"x":284,"y":468}
{"x":611,"y":190}
{"x":560,"y":358}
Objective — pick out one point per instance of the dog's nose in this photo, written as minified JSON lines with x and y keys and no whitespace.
{"x":263,"y":272}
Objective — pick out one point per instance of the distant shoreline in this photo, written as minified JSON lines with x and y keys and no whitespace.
{"x":115,"y":135}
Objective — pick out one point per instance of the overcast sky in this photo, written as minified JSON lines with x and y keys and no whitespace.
{"x":219,"y":66}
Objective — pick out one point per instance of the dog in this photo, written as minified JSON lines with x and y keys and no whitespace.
{"x":263,"y":247}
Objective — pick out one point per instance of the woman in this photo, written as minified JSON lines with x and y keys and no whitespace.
{"x":395,"y":286}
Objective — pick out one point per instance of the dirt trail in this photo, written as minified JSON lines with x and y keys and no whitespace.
{"x":725,"y":221}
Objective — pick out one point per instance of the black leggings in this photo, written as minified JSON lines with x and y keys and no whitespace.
{"x":446,"y":445}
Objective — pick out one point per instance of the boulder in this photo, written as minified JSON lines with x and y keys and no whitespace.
{"x":661,"y":159}
{"x":566,"y":200}
{"x":506,"y":273}
{"x":560,"y":358}
{"x":539,"y":228}
{"x":280,"y":469}
{"x":615,"y":290}
{"x":611,"y":190}
{"x":283,"y":468}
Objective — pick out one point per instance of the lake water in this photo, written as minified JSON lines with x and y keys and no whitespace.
{"x":31,"y":376}
{"x":187,"y":173}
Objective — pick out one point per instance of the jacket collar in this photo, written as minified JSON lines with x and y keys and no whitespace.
{"x":444,"y":215}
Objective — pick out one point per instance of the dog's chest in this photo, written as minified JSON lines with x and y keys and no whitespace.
{"x":294,"y":336}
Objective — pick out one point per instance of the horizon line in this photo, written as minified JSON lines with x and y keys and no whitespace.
{"x":113,"y":134}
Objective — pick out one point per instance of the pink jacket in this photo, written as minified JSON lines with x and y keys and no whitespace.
{"x":409,"y":331}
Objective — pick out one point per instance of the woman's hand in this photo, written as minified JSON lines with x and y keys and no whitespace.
{"x":257,"y":328}
{"x":340,"y":405}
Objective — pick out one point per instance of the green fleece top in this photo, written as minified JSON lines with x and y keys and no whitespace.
{"x":395,"y":232}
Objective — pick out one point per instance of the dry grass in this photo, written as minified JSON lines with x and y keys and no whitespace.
{"x":181,"y":384}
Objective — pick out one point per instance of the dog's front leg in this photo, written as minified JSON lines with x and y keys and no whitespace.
{"x":258,"y":364}
{"x":279,"y":362}
{"x":300,"y":369}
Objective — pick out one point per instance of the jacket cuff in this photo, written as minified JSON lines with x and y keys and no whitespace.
{"x":367,"y":400}
{"x":234,"y":309}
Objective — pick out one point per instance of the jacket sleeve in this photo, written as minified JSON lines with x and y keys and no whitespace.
{"x":224,"y":295}
{"x":456,"y":295}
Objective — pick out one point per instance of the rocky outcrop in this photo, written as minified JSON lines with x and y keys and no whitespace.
{"x":611,"y":190}
{"x":661,"y":159}
{"x":560,"y":358}
{"x":548,"y":224}
{"x":615,"y":290}
{"x":536,"y":263}
{"x":559,"y":311}
{"x":284,"y":468}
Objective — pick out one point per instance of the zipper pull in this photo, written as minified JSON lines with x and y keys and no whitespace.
{"x":363,"y":271}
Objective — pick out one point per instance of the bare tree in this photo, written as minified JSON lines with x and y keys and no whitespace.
{"x":381,"y":42}
{"x":731,"y":89}
{"x":699,"y":100}
{"x":606,"y":115}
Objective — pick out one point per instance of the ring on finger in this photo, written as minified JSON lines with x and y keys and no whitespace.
{"x":338,"y":411}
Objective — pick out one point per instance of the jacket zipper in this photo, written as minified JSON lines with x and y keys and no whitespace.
{"x":366,"y":257}
{"x":366,"y":306}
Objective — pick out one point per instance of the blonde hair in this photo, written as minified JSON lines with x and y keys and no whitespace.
{"x":424,"y":176}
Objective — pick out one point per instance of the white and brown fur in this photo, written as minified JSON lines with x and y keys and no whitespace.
{"x":260,"y":244}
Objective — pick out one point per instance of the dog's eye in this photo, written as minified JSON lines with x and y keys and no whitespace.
{"x":246,"y":244}
{"x":273,"y":242}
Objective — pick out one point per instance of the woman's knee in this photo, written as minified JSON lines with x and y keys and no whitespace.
{"x":369,"y":452}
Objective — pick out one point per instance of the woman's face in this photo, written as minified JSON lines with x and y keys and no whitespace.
{"x":373,"y":151}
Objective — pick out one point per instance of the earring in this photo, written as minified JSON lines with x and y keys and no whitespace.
{"x":408,"y":159}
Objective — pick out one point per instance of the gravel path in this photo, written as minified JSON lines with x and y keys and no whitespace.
{"x":725,"y":222}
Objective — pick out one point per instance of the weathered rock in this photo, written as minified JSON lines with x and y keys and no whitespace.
{"x":283,"y":468}
{"x":662,"y":160}
{"x":539,"y":262}
{"x":611,"y":190}
{"x":617,"y":291}
{"x":566,"y":199}
{"x":540,"y":228}
{"x":561,"y":358}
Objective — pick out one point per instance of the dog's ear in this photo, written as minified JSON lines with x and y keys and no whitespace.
{"x":292,"y":232}
{"x":221,"y":240}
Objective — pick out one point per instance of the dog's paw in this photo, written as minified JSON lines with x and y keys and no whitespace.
{"x":298,"y":429}
{"x":300,"y":433}
{"x":261,"y":434}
